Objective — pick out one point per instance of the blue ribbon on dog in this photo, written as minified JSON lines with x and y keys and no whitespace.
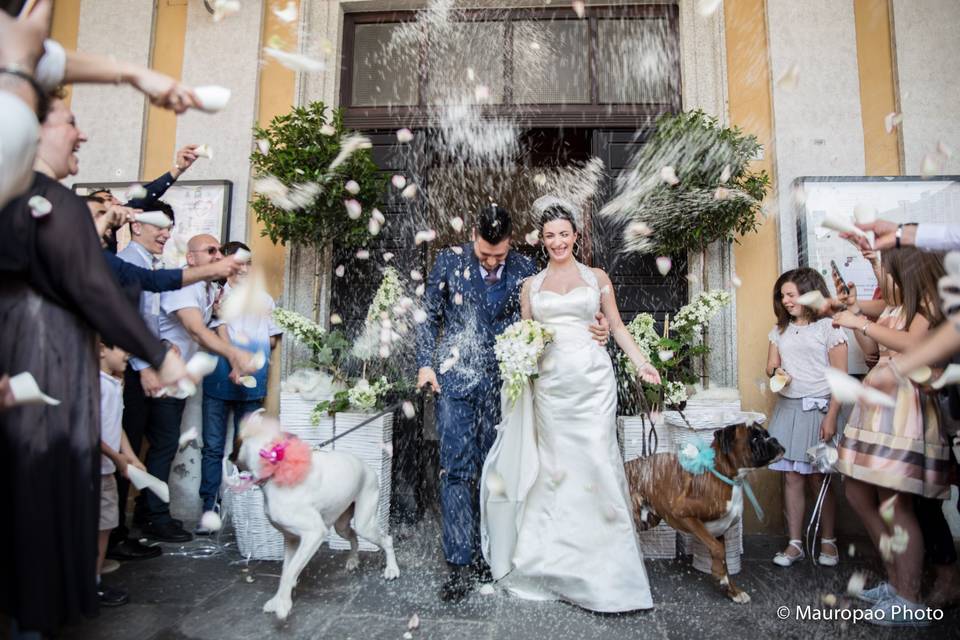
{"x":698,"y":457}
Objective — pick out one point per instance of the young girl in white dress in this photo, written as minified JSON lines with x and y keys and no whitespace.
{"x":802,"y":347}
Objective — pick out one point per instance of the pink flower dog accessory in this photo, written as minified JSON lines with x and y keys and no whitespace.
{"x":285,"y":461}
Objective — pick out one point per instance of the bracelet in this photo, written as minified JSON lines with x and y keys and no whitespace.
{"x":863,"y":329}
{"x":22,"y":73}
{"x":898,"y":235}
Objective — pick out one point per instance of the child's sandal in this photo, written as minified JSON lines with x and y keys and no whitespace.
{"x":829,"y":559}
{"x":785,"y":559}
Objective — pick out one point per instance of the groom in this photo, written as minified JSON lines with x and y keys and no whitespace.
{"x":472,"y":294}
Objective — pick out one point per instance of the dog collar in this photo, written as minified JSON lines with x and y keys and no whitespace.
{"x":698,"y":457}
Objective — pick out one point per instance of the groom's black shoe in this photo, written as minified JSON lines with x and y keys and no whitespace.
{"x":481,"y":571}
{"x":459,"y":582}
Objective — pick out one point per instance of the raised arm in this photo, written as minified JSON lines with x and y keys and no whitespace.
{"x":893,"y":339}
{"x":608,"y":304}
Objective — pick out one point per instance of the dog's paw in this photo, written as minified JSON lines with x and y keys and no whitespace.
{"x":741,"y":598}
{"x":391,"y":572}
{"x":271,"y":605}
{"x":353,"y":563}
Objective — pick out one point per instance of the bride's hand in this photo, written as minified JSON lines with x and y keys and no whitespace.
{"x":649,"y":373}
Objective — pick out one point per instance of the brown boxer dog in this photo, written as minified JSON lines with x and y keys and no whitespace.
{"x":702,"y":505}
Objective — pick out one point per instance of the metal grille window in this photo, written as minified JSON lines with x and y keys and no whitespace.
{"x":464,"y":57}
{"x":636,"y":61}
{"x":551,"y":63}
{"x":618,"y":66}
{"x":383,"y":74}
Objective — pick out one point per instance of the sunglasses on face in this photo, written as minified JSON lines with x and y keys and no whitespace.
{"x":210,"y":251}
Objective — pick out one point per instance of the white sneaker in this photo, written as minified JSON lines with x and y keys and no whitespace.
{"x":879,"y":593}
{"x":906,"y":614}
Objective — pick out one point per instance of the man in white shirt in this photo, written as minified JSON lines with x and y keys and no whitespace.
{"x":183,"y":319}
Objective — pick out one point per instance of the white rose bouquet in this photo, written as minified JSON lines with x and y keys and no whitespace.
{"x":518,"y":350}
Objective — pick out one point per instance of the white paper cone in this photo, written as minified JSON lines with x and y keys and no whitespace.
{"x":156,"y":218}
{"x":26,"y":391}
{"x":143,"y":480}
{"x":212,"y":98}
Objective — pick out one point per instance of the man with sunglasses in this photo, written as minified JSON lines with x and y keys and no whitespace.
{"x":183,"y":319}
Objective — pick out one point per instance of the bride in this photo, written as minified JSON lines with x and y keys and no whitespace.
{"x":556,"y":519}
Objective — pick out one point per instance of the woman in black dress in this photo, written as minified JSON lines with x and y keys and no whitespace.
{"x":56,"y":294}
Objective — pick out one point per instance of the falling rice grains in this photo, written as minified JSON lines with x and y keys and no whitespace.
{"x":856,"y":583}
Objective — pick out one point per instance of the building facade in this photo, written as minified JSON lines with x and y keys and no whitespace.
{"x":813,"y":80}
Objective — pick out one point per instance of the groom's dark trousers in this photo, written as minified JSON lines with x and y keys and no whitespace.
{"x":467,"y":429}
{"x":464,"y":316}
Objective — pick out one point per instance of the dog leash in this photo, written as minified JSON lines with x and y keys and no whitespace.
{"x":337,"y":436}
{"x":747,"y":489}
{"x":650,"y":441}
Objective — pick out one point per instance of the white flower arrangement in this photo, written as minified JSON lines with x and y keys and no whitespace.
{"x":362,"y":396}
{"x":386,"y":321}
{"x":303,"y":329}
{"x":388,"y":295}
{"x":518,"y":350}
{"x":365,"y":396}
{"x":697,"y":314}
{"x":674,"y":392}
{"x":670,"y":354}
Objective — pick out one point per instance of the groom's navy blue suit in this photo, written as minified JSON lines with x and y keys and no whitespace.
{"x":465,"y":314}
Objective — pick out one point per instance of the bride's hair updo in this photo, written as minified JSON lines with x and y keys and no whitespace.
{"x":556,"y":212}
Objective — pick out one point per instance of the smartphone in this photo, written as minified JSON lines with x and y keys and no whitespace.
{"x":838,"y":280}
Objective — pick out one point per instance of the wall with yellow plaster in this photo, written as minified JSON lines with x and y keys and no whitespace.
{"x":757,"y":260}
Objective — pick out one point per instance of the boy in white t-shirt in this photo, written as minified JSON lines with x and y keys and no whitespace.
{"x":117,"y":454}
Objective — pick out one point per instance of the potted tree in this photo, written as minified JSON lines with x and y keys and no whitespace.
{"x":690,"y":185}
{"x":315,"y":184}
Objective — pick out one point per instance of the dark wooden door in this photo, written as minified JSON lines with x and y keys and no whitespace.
{"x":639,"y":286}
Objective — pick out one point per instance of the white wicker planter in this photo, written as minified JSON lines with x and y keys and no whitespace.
{"x":661,"y":541}
{"x":658,"y":543}
{"x":372,"y":443}
{"x":733,"y":541}
{"x":633,"y":433}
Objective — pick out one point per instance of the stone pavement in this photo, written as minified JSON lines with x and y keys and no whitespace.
{"x":180,"y":596}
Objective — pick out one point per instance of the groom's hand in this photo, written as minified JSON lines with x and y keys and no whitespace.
{"x":427,"y":376}
{"x":601,"y":330}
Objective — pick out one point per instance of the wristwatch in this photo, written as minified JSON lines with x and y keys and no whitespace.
{"x":899,"y":233}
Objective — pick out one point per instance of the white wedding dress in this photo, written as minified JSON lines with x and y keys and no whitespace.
{"x":555,"y":517}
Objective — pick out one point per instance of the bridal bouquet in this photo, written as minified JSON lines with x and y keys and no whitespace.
{"x":518,"y":350}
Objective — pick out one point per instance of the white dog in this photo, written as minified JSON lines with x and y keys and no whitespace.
{"x":327,"y":489}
